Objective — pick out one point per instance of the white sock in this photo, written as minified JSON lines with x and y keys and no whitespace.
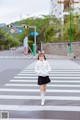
{"x":43,"y":95}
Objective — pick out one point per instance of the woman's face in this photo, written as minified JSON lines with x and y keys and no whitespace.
{"x":41,"y":57}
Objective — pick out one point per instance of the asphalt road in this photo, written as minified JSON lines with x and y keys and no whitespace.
{"x":76,"y":61}
{"x":11,"y":62}
{"x":10,"y":67}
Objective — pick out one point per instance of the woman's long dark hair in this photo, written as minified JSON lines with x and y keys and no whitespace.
{"x":41,"y":54}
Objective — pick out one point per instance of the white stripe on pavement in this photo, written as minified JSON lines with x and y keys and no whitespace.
{"x":32,"y":81}
{"x":49,"y":85}
{"x":29,"y":119}
{"x":39,"y":108}
{"x":50,"y":77}
{"x":11,"y":57}
{"x":74,"y":72}
{"x":54,"y":81}
{"x":37,"y":90}
{"x":38,"y":97}
{"x":55,"y":70}
{"x":53,"y":75}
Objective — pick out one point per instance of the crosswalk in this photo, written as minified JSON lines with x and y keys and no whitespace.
{"x":21,"y":95}
{"x":16,"y":57}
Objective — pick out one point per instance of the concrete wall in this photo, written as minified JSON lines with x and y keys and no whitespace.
{"x":61,"y":48}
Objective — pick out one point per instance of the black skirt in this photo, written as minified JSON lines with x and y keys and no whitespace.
{"x":43,"y":80}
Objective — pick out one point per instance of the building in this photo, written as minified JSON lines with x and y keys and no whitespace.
{"x":61,"y":8}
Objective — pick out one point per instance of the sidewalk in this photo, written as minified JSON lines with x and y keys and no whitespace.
{"x":19,"y":52}
{"x":48,"y":56}
{"x":57,"y":56}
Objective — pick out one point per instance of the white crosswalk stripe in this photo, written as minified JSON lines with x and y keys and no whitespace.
{"x":64,"y":90}
{"x":31,"y":119}
{"x":53,"y":81}
{"x":38,"y":97}
{"x":56,"y":78}
{"x":38,"y":108}
{"x":37,"y":90}
{"x":16,"y":57}
{"x":34,"y":85}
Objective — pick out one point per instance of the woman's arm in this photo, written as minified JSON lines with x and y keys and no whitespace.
{"x":48,"y":67}
{"x":37,"y":68}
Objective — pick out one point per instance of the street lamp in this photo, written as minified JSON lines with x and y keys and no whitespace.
{"x":35,"y":38}
{"x":34,"y":45}
{"x":70,"y":31}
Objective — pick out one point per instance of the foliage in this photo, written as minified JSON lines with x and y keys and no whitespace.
{"x":7,"y":41}
{"x":50,"y":29}
{"x":75,"y":28}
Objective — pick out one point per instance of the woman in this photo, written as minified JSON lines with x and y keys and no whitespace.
{"x":42,"y":68}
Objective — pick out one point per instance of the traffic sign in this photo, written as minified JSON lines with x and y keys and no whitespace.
{"x":16,"y":30}
{"x":12,"y":30}
{"x":20,"y":30}
{"x":32,"y":33}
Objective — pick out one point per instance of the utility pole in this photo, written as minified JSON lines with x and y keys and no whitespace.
{"x":35,"y":38}
{"x":70,"y":2}
{"x":34,"y":45}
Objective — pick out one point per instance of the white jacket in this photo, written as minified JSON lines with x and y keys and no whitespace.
{"x":42,"y":68}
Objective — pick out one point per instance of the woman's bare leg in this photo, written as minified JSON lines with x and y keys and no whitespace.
{"x":45,"y":88}
{"x":41,"y":89}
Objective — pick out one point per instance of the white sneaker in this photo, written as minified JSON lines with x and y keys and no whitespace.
{"x":42,"y":102}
